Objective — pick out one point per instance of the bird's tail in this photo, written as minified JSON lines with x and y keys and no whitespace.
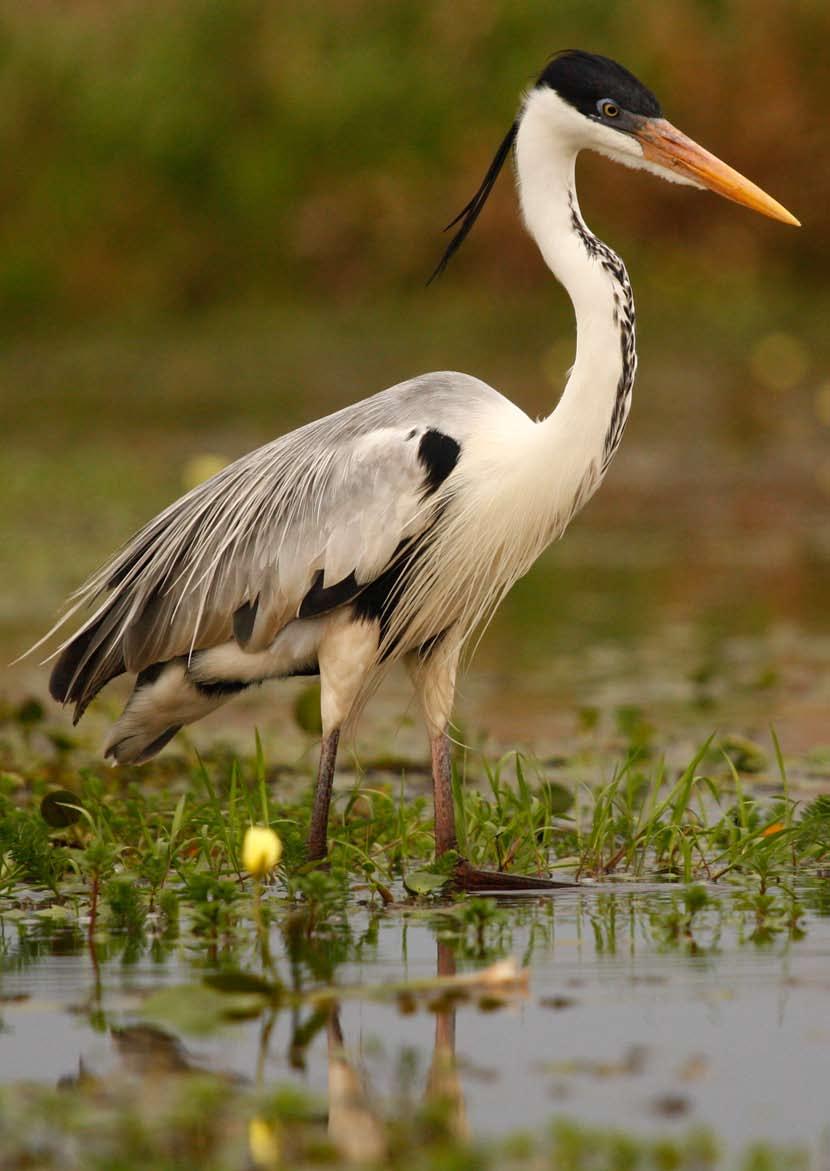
{"x":164,"y":700}
{"x":183,"y":690}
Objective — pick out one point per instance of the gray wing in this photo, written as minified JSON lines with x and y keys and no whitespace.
{"x":295,"y":528}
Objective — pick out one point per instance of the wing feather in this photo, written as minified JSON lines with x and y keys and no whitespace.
{"x":337,"y":497}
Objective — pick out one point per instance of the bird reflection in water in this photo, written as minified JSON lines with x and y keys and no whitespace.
{"x":444,"y":1087}
{"x":360,"y":1125}
{"x":355,"y":1126}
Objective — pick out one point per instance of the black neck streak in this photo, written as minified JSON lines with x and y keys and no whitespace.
{"x":624,"y":322}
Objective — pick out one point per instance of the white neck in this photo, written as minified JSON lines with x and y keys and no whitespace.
{"x":582,"y":433}
{"x":549,"y":469}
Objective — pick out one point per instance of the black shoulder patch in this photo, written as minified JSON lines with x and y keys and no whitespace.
{"x":320,"y":599}
{"x":379,"y":600}
{"x":439,"y":454}
{"x":243,"y":621}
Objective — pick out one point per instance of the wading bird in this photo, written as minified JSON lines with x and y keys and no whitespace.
{"x":393,"y":528}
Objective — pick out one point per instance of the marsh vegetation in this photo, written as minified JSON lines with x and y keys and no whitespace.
{"x":362,"y":1013}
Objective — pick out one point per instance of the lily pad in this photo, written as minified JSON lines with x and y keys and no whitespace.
{"x":247,"y":983}
{"x":746,"y":755}
{"x":199,"y":1009}
{"x":60,"y":808}
{"x":424,"y":882}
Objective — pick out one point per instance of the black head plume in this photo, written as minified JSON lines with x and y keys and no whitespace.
{"x":581,"y":79}
{"x":470,"y":213}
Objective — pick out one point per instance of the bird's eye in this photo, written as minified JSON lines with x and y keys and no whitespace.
{"x":608,"y":109}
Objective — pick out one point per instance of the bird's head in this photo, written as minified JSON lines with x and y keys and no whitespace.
{"x":592,"y":103}
{"x":598,"y":105}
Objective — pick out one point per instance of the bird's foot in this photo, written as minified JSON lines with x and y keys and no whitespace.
{"x":466,"y":877}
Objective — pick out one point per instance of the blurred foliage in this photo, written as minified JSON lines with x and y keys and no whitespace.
{"x":218,"y":217}
{"x":175,"y":156}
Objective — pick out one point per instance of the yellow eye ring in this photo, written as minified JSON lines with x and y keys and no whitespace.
{"x":609,"y":109}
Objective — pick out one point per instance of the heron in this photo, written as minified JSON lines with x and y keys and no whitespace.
{"x":392,"y":529}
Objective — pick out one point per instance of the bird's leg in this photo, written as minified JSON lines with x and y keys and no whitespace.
{"x":445,"y":836}
{"x":467,"y":877}
{"x":433,"y":674}
{"x":318,"y":834}
{"x":434,"y":678}
{"x":345,"y":654}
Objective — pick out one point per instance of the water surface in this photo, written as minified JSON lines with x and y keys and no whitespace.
{"x":623,"y":1025}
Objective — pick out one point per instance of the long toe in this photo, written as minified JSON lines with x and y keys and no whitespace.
{"x":466,"y":877}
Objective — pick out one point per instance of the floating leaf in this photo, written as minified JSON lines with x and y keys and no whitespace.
{"x":199,"y":1009}
{"x":56,"y":913}
{"x":504,"y":973}
{"x":559,"y":798}
{"x":746,"y":755}
{"x":244,"y":982}
{"x":424,"y":882}
{"x":60,"y":808}
{"x":502,"y":979}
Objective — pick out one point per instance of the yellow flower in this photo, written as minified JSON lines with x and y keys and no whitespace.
{"x":261,"y":850}
{"x":263,"y":1142}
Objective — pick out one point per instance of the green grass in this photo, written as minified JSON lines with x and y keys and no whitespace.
{"x":175,"y":835}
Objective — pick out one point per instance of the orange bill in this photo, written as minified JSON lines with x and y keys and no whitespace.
{"x":664,"y":144}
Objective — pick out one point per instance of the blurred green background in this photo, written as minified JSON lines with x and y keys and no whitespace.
{"x":217,"y":221}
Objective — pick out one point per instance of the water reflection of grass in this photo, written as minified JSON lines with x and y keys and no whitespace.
{"x":148,"y":1107}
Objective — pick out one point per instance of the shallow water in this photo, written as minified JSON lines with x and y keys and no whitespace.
{"x":622,"y":1025}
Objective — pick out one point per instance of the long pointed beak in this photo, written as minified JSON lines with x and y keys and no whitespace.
{"x":664,"y":144}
